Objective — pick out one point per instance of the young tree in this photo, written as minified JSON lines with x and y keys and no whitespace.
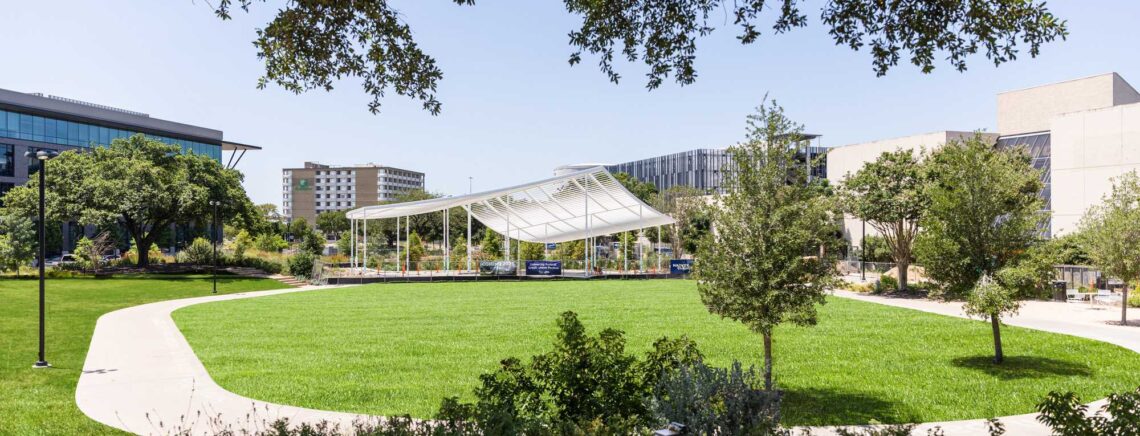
{"x":332,"y":222}
{"x":531,"y":250}
{"x":17,"y":241}
{"x":887,"y":194}
{"x":684,"y":204}
{"x":984,"y":213}
{"x":491,"y":247}
{"x":309,"y":44}
{"x":91,"y":250}
{"x":142,"y":183}
{"x":1110,"y":233}
{"x":762,"y":265}
{"x":415,"y":248}
{"x":992,"y":300}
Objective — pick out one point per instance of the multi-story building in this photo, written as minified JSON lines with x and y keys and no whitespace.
{"x":317,"y":188}
{"x":702,"y":169}
{"x":44,"y":122}
{"x":1080,"y":133}
{"x":34,"y":122}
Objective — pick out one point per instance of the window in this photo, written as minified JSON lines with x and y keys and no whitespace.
{"x":7,"y":160}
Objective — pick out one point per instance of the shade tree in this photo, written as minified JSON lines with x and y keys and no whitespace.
{"x":887,"y":193}
{"x":311,"y":44}
{"x":141,"y":183}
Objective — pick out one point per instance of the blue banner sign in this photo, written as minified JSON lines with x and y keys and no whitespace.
{"x":551,"y":246}
{"x":543,"y":267}
{"x":497,"y":268}
{"x":680,"y":266}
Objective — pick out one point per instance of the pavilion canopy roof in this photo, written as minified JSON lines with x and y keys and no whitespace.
{"x":548,"y":211}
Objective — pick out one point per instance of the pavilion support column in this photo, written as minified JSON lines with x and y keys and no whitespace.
{"x":365,"y":265}
{"x":447,"y":247}
{"x":586,"y":242}
{"x":507,"y":238}
{"x":396,"y":261}
{"x":468,"y":208}
{"x":352,"y":244}
{"x":407,"y":250}
{"x":657,"y":249}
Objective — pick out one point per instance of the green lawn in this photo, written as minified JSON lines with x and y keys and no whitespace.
{"x":42,"y":401}
{"x":388,"y":349}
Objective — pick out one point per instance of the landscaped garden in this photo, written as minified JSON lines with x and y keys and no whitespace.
{"x":393,"y":349}
{"x":42,"y":401}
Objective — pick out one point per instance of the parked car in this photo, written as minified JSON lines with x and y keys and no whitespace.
{"x":57,"y":260}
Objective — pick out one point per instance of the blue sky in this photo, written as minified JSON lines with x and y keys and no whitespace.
{"x":513,"y":108}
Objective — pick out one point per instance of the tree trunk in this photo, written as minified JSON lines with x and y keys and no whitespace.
{"x":1124,"y":304}
{"x":998,"y":357}
{"x":767,"y":361}
{"x":142,"y":248}
{"x":903,"y":266}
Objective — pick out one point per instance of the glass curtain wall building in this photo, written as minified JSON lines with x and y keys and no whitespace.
{"x":34,"y":121}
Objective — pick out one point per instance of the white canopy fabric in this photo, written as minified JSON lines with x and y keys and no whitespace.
{"x":572,"y":206}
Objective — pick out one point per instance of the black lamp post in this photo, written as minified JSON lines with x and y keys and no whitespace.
{"x":42,"y":156}
{"x":214,"y":241}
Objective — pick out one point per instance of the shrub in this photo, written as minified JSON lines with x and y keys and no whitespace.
{"x":584,"y":385}
{"x":241,"y":243}
{"x":859,"y":287}
{"x":301,"y":264}
{"x":267,"y":265}
{"x":132,"y":256}
{"x":200,"y":252}
{"x":271,"y":243}
{"x":1067,"y":415}
{"x":1134,"y":299}
{"x":712,"y":401}
{"x":886,"y":284}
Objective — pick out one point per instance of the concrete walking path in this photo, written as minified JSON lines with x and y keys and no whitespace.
{"x":1075,"y":319}
{"x":141,"y":375}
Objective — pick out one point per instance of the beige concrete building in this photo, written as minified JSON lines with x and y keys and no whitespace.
{"x":1080,"y":133}
{"x":317,"y":188}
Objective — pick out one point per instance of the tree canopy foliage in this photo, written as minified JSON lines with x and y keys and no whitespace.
{"x":985,"y":212}
{"x":1110,"y":233}
{"x":310,"y":44}
{"x":144,"y":184}
{"x":770,"y":259}
{"x":887,"y":193}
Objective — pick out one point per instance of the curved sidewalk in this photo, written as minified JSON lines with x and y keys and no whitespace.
{"x":1075,"y":319}
{"x":141,"y":375}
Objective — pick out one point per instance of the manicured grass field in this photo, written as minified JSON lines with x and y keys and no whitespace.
{"x":393,"y":349}
{"x":42,"y":401}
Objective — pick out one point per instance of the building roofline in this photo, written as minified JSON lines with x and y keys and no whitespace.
{"x":350,"y":167}
{"x":1110,"y":73}
{"x":895,"y":138}
{"x":75,"y":110}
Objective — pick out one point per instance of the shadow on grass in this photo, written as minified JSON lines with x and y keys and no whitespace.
{"x":1022,"y":367}
{"x":838,"y":407}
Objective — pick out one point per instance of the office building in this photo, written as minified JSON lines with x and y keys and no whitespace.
{"x":1080,"y":133}
{"x":702,"y":169}
{"x":34,"y":121}
{"x":317,"y":188}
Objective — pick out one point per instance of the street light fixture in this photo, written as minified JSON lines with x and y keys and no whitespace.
{"x":42,"y":156}
{"x":214,"y":241}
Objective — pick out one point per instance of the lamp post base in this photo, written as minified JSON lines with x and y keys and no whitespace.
{"x":41,"y":364}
